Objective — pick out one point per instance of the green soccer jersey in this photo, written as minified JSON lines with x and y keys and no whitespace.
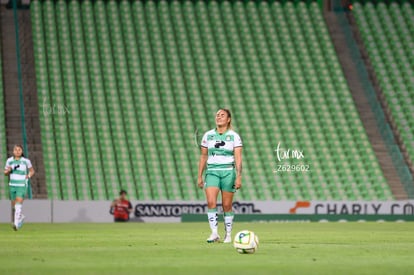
{"x":221,"y":148}
{"x":20,"y":169}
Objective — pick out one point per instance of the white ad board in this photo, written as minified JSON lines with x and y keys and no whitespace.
{"x":53,"y":211}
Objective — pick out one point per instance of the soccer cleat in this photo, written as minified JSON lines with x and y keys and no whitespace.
{"x":20,"y":222}
{"x":14,"y":227}
{"x":227,"y":239}
{"x":214,"y":237}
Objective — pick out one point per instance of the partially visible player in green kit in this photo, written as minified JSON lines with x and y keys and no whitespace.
{"x":20,"y":170}
{"x":221,"y":152}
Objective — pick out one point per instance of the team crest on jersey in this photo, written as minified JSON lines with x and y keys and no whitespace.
{"x":228,"y":138}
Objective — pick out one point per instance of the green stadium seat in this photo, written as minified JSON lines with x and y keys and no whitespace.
{"x":390,"y":61}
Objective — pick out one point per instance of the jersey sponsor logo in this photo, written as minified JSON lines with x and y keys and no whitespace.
{"x":219,"y":144}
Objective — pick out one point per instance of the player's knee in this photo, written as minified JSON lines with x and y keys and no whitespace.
{"x":211,"y":203}
{"x":227,"y":206}
{"x":18,"y":200}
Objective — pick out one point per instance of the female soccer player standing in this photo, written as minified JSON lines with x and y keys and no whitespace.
{"x":20,"y":170}
{"x":221,"y":150}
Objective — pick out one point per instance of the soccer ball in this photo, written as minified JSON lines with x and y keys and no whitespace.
{"x":246,"y":242}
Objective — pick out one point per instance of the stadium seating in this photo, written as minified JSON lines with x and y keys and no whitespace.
{"x":140,"y":81}
{"x":388,"y":34}
{"x":3,"y":145}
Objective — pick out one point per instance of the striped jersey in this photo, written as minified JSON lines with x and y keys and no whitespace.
{"x":20,"y":169}
{"x":221,"y":148}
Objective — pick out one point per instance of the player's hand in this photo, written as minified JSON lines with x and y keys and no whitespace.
{"x":7,"y":170}
{"x":238,"y":183}
{"x":200,"y":182}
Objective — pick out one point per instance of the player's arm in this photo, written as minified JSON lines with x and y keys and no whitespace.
{"x":112,"y":208}
{"x":202,"y":166}
{"x":130,"y":207}
{"x":238,"y":164}
{"x":114,"y":202}
{"x":7,"y":170}
{"x":31,"y":172}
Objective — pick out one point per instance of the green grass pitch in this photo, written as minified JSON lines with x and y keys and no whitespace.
{"x":180,"y":248}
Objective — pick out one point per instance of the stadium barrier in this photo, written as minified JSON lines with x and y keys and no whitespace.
{"x":56,"y":211}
